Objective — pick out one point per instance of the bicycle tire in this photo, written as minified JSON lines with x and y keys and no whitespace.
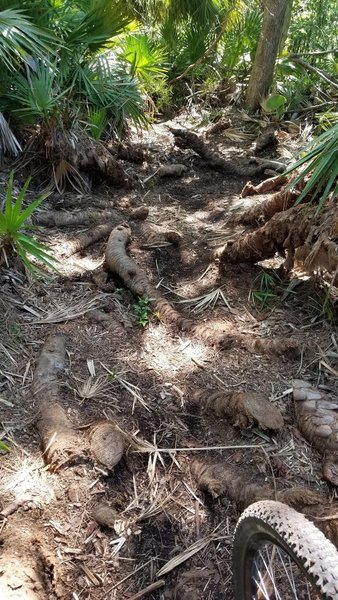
{"x":291,"y":531}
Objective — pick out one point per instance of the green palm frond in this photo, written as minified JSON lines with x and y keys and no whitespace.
{"x":321,"y":160}
{"x":107,"y":86}
{"x":146,"y":59}
{"x":97,"y":25}
{"x":97,"y":121}
{"x":36,"y":94}
{"x":20,"y":37}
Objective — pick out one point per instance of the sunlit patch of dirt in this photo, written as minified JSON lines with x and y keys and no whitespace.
{"x":172,"y":356}
{"x":28,"y":479}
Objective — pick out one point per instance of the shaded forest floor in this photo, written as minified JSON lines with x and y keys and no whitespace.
{"x":145,"y":380}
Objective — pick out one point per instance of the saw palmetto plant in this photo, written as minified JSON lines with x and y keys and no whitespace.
{"x":14,"y":226}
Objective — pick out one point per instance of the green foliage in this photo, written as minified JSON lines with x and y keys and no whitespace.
{"x":19,"y":36}
{"x":262,"y":293}
{"x":97,"y":121}
{"x":13,"y":227}
{"x":275,"y":105}
{"x":240,"y":40}
{"x":142,"y":310}
{"x":4,"y":448}
{"x":322,"y":305}
{"x":80,"y":74}
{"x":321,"y":163}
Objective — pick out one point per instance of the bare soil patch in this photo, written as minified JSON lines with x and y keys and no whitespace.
{"x":90,"y":530}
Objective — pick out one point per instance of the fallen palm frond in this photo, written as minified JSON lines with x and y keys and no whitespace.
{"x":208,"y":300}
{"x":92,"y":387}
{"x":133,"y":390}
{"x":67,"y":313}
{"x":190,"y":551}
{"x":143,"y":446}
{"x":235,"y":135}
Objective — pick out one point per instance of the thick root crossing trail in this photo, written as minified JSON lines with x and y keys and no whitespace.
{"x":181,"y":365}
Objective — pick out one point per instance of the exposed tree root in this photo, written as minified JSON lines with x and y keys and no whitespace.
{"x":135,"y":278}
{"x":68,"y":156}
{"x":318,"y":421}
{"x":85,"y":239}
{"x":131,"y":153}
{"x":106,"y":444}
{"x":61,"y":442}
{"x":265,"y":139}
{"x":55,"y":218}
{"x":156,"y":235}
{"x":221,"y":125}
{"x":241,"y":408}
{"x":187,"y":139}
{"x":139,"y":214}
{"x":297,"y":227}
{"x":284,"y":231}
{"x":263,"y":211}
{"x":99,"y":160}
{"x":322,"y":255}
{"x":280,"y":346}
{"x":59,"y":439}
{"x":220,"y":479}
{"x":27,"y":570}
{"x":266,"y":186}
{"x":175,"y":170}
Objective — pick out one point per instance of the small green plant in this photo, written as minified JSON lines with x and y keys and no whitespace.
{"x":13,"y":225}
{"x":16,"y":331}
{"x":4,"y":448}
{"x":262,"y":292}
{"x":274,"y":105}
{"x":142,"y":310}
{"x":322,"y":305}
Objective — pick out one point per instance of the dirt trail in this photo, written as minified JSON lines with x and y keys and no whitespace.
{"x":145,"y":379}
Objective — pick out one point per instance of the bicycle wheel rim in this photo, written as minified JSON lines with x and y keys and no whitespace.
{"x":259,"y":576}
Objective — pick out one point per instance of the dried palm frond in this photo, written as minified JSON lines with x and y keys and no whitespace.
{"x":189,"y":552}
{"x":235,"y":135}
{"x":208,"y":300}
{"x":92,"y":387}
{"x":9,"y":145}
{"x":67,"y":313}
{"x":133,"y":390}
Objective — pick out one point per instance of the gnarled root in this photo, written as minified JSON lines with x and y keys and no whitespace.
{"x":56,"y":218}
{"x":156,"y":235}
{"x":241,"y":408}
{"x":135,"y":278}
{"x":188,"y":139}
{"x":99,"y":160}
{"x":220,"y":479}
{"x":285,"y":231}
{"x":59,"y":440}
{"x":265,"y":186}
{"x":280,"y":346}
{"x":85,"y":239}
{"x":318,"y":421}
{"x":263,"y":211}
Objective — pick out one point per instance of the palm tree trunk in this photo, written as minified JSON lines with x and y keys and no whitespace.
{"x":273,"y":30}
